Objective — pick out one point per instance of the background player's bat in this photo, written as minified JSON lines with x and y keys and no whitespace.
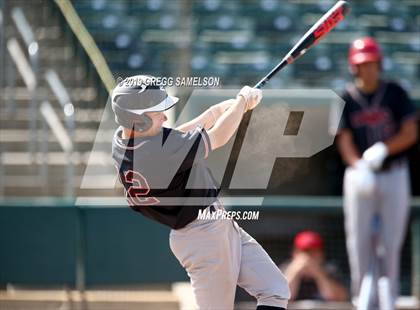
{"x":375,"y":286}
{"x":324,"y":25}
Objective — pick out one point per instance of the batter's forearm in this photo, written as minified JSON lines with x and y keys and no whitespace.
{"x":217,"y":110}
{"x":227,"y":124}
{"x":208,"y":118}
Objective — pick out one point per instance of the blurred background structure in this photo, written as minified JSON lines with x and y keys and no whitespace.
{"x":58,"y":61}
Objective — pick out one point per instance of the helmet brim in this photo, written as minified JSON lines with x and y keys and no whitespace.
{"x":361,"y":58}
{"x":166,"y":104}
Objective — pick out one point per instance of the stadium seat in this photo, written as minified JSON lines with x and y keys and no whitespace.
{"x":214,"y":7}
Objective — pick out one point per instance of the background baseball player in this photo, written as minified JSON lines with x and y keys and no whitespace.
{"x":378,"y":126}
{"x":217,"y":254}
{"x":310,"y":274}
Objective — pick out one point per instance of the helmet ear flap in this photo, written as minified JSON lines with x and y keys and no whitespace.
{"x":131,"y":120}
{"x":143,"y":123}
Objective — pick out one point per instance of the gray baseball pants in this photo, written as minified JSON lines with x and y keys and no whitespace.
{"x":218,"y":255}
{"x":391,"y":200}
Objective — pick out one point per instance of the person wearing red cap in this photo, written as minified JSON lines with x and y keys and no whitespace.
{"x":308,"y":275}
{"x":378,"y":126}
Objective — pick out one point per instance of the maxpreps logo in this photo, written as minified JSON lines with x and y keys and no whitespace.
{"x":222,"y":214}
{"x":301,"y":123}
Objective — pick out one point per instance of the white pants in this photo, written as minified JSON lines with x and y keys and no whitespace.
{"x":218,"y":255}
{"x":391,"y":201}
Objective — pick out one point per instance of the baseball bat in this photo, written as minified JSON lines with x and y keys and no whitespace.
{"x":384,"y":289}
{"x":385,"y":293}
{"x":322,"y":27}
{"x":375,"y":284}
{"x":319,"y":30}
{"x":366,"y":290}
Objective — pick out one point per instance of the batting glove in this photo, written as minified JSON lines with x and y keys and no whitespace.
{"x":251,"y":95}
{"x":364,"y":179}
{"x":375,"y":155}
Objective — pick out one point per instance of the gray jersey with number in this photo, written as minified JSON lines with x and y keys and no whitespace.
{"x":165,"y":177}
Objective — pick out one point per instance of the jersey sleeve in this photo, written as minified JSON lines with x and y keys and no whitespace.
{"x":200,"y":139}
{"x":187,"y":148}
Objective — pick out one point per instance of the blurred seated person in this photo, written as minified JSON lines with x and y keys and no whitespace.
{"x":309,"y":276}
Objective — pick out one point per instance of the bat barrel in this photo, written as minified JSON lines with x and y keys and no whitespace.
{"x":319,"y":30}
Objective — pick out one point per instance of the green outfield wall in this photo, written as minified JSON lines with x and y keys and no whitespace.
{"x":54,"y":243}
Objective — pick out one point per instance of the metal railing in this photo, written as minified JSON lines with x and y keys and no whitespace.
{"x":2,"y":82}
{"x":28,"y":71}
{"x":65,"y":137}
{"x":87,"y":42}
{"x":28,"y":36}
{"x":51,"y":118}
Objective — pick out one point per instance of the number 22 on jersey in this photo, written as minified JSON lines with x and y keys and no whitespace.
{"x":137,"y":189}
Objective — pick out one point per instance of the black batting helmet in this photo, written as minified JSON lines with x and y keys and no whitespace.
{"x":136,"y":95}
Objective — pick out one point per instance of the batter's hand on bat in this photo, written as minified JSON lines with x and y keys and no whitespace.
{"x":252,"y":97}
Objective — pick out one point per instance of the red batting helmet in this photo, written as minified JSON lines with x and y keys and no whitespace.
{"x":364,"y":50}
{"x":308,"y":240}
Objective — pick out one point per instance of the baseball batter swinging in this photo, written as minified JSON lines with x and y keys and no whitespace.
{"x":157,"y":164}
{"x":378,"y":126}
